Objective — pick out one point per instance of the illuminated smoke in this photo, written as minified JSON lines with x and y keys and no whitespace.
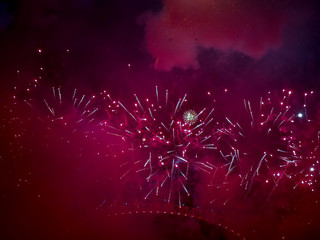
{"x":174,"y":34}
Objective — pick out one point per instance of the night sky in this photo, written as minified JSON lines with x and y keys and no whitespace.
{"x":58,"y":183}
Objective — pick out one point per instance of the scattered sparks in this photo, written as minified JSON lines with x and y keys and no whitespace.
{"x":168,"y":145}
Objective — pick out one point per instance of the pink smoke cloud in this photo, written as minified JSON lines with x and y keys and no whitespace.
{"x":174,"y":35}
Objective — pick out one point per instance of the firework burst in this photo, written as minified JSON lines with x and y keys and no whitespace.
{"x":165,"y":142}
{"x":164,"y":146}
{"x":71,"y":110}
{"x":264,"y":141}
{"x":190,"y":117}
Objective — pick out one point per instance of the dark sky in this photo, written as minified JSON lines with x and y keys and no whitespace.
{"x":126,"y":47}
{"x":254,"y":44}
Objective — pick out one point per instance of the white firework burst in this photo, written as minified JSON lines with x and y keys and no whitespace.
{"x":190,"y":117}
